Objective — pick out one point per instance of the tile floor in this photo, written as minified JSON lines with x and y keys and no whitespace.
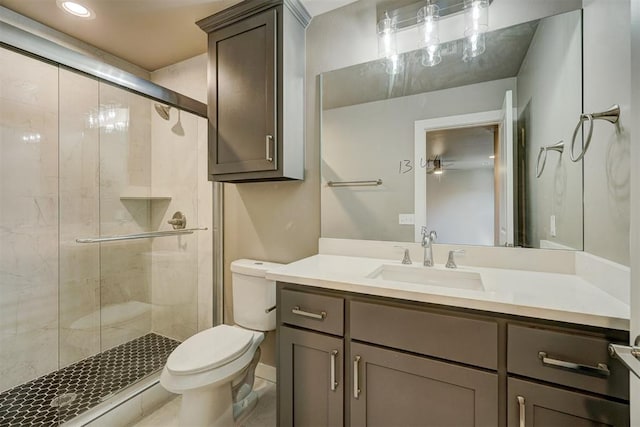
{"x":264,"y":414}
{"x":62,"y":395}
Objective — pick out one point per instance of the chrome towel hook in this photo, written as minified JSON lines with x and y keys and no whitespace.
{"x":542,"y":155}
{"x":612,"y":115}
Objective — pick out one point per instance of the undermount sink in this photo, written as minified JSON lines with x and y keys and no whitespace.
{"x":429,"y":276}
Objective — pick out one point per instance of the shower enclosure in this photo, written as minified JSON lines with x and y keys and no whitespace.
{"x":90,"y":301}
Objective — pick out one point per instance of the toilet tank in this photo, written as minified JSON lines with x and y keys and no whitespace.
{"x":253,"y":294}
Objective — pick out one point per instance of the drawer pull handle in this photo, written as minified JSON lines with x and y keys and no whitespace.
{"x":521,"y":410}
{"x":356,"y":378}
{"x":601,"y":369}
{"x":299,"y":312}
{"x":334,"y":383}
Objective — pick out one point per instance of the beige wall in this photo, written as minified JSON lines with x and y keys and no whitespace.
{"x":550,"y":96}
{"x":607,"y":81}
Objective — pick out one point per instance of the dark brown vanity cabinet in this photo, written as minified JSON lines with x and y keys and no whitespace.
{"x":311,"y":389}
{"x":349,"y":359}
{"x":374,"y":371}
{"x":256,"y":91}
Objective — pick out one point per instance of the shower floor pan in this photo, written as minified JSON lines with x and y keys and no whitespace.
{"x":64,"y":394}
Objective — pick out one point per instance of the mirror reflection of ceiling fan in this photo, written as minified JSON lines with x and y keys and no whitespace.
{"x":437,"y":165}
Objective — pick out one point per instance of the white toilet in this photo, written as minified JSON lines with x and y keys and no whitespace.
{"x":214,"y":369}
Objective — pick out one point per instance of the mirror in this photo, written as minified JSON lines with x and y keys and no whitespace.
{"x":455,"y":147}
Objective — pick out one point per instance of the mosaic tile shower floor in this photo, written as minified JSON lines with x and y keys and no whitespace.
{"x":62,"y":395}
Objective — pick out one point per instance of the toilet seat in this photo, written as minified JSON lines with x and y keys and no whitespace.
{"x":209,"y":349}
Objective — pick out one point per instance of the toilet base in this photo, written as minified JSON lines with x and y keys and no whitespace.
{"x":243,"y":408}
{"x":207,"y":407}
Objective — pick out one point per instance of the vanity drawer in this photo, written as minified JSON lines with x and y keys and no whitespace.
{"x":460,"y":339}
{"x":312,"y":311}
{"x":565,"y":358}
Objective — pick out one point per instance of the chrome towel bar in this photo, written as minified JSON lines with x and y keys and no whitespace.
{"x":371,"y":183}
{"x":140,"y":235}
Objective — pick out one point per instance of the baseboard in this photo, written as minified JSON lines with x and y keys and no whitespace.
{"x":266,"y":372}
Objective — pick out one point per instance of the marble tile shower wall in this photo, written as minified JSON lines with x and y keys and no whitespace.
{"x":125,"y":267}
{"x":174,"y":260}
{"x":104,"y":289}
{"x":62,"y":177}
{"x":28,"y":218}
{"x":80,"y":216}
{"x":184,"y":160}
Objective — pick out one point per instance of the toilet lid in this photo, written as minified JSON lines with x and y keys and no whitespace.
{"x":209,"y":349}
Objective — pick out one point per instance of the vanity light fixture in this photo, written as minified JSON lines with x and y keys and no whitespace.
{"x":76,"y":9}
{"x":476,"y":19}
{"x":493,"y":156}
{"x":428,"y":19}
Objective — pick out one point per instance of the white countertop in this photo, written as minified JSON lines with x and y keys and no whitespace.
{"x":542,"y":295}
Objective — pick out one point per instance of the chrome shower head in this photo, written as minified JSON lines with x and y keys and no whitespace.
{"x":162,"y":110}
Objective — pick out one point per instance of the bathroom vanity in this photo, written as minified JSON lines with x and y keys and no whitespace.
{"x":356,"y":351}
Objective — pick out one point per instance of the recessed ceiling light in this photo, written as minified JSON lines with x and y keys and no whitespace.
{"x":492,"y":156}
{"x":76,"y":9}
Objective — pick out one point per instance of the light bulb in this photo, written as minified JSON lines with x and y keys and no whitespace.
{"x":428,"y":19}
{"x":386,"y":37}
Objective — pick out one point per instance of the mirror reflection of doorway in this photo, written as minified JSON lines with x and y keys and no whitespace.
{"x":462,"y":183}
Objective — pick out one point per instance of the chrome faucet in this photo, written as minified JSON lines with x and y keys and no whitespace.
{"x":427,"y":239}
{"x":451,"y":262}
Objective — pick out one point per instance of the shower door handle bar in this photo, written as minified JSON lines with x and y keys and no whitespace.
{"x":140,"y":235}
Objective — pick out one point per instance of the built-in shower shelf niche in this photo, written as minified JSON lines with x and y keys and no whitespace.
{"x":144,"y":193}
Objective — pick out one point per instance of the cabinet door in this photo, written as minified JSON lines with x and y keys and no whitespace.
{"x":311,"y":379}
{"x":531,"y":404}
{"x":242,"y":96}
{"x":390,"y":388}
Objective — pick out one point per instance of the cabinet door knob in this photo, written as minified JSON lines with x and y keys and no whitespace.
{"x":521,"y":410}
{"x":269,"y":141}
{"x":334,"y":383}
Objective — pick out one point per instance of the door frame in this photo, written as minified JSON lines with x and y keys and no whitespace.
{"x":634,"y":249}
{"x":421,"y":127}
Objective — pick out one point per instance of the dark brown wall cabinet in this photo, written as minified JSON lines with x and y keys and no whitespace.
{"x":256,"y":91}
{"x":347,"y":359}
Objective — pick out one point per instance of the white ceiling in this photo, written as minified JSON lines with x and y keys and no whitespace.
{"x":149,"y":33}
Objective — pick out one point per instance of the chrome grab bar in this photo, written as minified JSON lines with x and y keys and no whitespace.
{"x":612,"y":115}
{"x":299,"y":312}
{"x":372,"y":183}
{"x":334,"y":383}
{"x":140,"y":235}
{"x":601,"y":369}
{"x":356,"y":378}
{"x":558,"y":146}
{"x":628,"y":356}
{"x":521,"y":410}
